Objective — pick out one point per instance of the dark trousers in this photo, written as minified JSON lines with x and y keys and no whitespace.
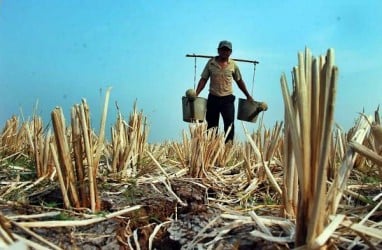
{"x":225,"y":106}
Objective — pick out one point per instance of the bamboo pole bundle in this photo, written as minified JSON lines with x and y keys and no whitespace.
{"x":309,"y":120}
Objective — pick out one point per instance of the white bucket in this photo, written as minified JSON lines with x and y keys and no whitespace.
{"x":248,"y":110}
{"x":194,"y":110}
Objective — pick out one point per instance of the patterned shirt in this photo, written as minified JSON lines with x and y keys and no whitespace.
{"x":221,"y":78}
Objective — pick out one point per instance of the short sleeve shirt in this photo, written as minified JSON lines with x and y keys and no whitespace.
{"x":221,"y":78}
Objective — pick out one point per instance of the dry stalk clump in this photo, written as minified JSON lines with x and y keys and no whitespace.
{"x":12,"y":138}
{"x":29,"y":140}
{"x":309,"y":112}
{"x":205,"y":146}
{"x":263,"y":150}
{"x":312,"y":153}
{"x":128,"y":145}
{"x":78,"y":178}
{"x":371,"y":149}
{"x":181,"y":151}
{"x":204,"y":154}
{"x":62,"y":156}
{"x":42,"y":155}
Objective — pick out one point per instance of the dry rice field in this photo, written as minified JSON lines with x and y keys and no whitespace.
{"x":303,"y":184}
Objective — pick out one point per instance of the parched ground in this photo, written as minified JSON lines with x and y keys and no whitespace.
{"x":168,"y":213}
{"x":180,"y":219}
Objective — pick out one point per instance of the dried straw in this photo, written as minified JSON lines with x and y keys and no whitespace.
{"x":64,"y":156}
{"x":77,"y":223}
{"x":309,"y":120}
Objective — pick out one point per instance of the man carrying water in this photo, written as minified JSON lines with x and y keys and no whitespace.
{"x":222,"y":70}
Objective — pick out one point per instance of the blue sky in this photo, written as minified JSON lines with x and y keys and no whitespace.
{"x":58,"y":52}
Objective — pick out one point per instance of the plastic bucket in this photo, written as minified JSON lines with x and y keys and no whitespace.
{"x":248,"y":110}
{"x":194,"y":110}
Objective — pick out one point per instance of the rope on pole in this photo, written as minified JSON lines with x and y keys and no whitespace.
{"x":253,"y":78}
{"x":195,"y":73}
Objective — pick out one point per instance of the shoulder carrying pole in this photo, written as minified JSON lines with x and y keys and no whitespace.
{"x":235,"y":59}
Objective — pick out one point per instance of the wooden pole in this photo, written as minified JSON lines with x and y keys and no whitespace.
{"x":235,"y":59}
